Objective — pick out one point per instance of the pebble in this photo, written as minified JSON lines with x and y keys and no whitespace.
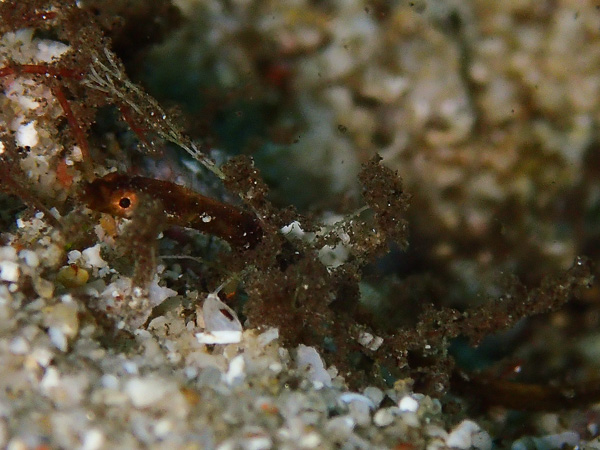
{"x":30,"y":257}
{"x":93,"y":440}
{"x":384,"y":417}
{"x":408,"y":403}
{"x":9,"y":271}
{"x":19,"y":346}
{"x":144,"y":392}
{"x":340,"y":427}
{"x":375,"y":394}
{"x":352,"y":397}
{"x":468,"y":434}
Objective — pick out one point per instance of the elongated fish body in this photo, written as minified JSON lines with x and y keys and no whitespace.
{"x":119,"y":194}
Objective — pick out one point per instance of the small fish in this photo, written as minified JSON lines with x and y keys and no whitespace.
{"x":119,"y":194}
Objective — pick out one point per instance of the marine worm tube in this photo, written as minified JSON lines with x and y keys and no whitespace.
{"x":119,"y":194}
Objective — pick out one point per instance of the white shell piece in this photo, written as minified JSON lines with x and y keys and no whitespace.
{"x":218,"y":316}
{"x":92,"y":256}
{"x":219,"y":337}
{"x":294,"y":228}
{"x":310,"y":361}
{"x":369,"y":341}
{"x":236,"y":371}
{"x":158,"y":294}
{"x":27,"y":135}
{"x":267,"y":337}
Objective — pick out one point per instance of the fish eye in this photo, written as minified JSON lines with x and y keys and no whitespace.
{"x":125,"y":202}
